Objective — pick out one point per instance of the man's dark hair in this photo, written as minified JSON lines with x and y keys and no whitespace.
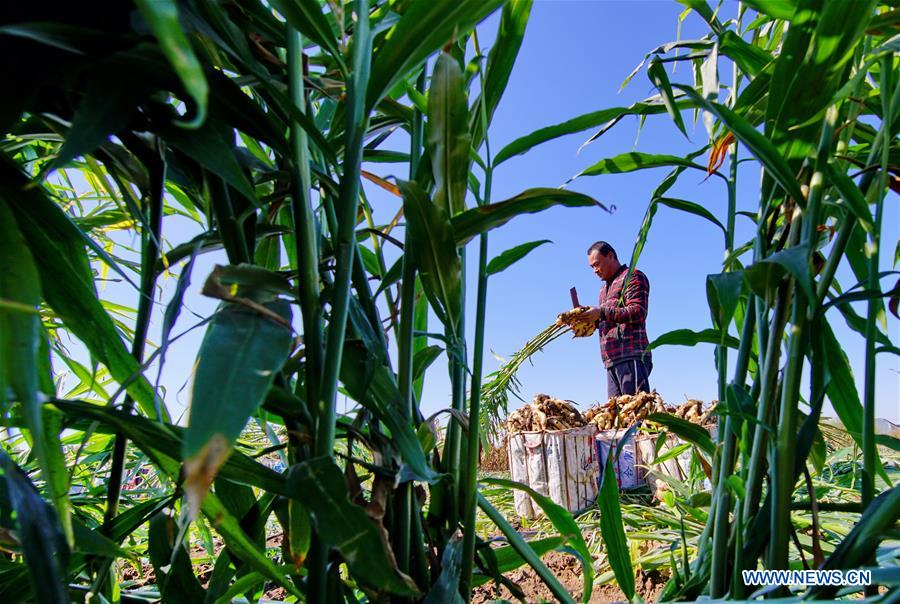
{"x":603,"y":248}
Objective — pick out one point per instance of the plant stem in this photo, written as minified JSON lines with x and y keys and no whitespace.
{"x":784,"y":474}
{"x":406,"y":506}
{"x":307,"y":253}
{"x":149,"y":255}
{"x":345,"y":248}
{"x":471,"y":482}
{"x":305,"y":228}
{"x":766,"y":395}
{"x":726,"y":436}
{"x":456,"y":350}
{"x":875,"y":305}
{"x":721,"y":528}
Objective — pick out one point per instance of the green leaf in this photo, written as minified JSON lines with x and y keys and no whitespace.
{"x":885,"y":23}
{"x":736,"y":484}
{"x":687,"y":337}
{"x":702,"y":8}
{"x":613,"y":530}
{"x":241,"y":353}
{"x":841,"y":388}
{"x":760,"y":146}
{"x":672,"y":453}
{"x":234,"y":106}
{"x":425,"y":27}
{"x":821,"y":40}
{"x":106,"y":108}
{"x":750,"y":58}
{"x":306,"y":16}
{"x":885,"y":440}
{"x":319,"y":484}
{"x":142,"y":431}
{"x":174,"y":307}
{"x":241,"y":586}
{"x":383,"y":156}
{"x":667,"y":183}
{"x":15,"y":582}
{"x":423,"y":358}
{"x":54,"y":467}
{"x":511,"y":256}
{"x":57,"y":247}
{"x":446,"y":588}
{"x":448,"y":134}
{"x":509,"y":559}
{"x":723,"y":292}
{"x":88,"y":541}
{"x":691,"y":208}
{"x":564,"y":523}
{"x":583,"y":122}
{"x":372,"y":384}
{"x":779,"y":9}
{"x":156,"y":439}
{"x":657,"y":74}
{"x":238,"y":499}
{"x":692,"y":433}
{"x":860,"y":544}
{"x":162,"y":16}
{"x":210,"y":147}
{"x":434,"y":249}
{"x":632,"y":161}
{"x":852,"y":196}
{"x":19,"y":331}
{"x":763,"y":276}
{"x":299,"y":532}
{"x":484,"y":218}
{"x":171,"y":561}
{"x":240,"y":545}
{"x":43,"y":544}
{"x":500,"y":61}
{"x":134,"y":517}
{"x":390,"y":277}
{"x":370,"y":261}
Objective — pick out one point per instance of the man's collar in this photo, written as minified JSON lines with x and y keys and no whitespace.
{"x":622,"y":267}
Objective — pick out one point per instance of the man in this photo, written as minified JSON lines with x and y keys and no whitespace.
{"x":621,"y":320}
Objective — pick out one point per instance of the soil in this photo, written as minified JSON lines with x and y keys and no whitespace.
{"x":568,"y":570}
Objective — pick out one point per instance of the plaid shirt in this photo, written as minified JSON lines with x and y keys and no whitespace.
{"x":622,"y":326}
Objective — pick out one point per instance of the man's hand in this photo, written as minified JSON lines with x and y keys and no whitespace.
{"x":581,"y":320}
{"x":593,"y":315}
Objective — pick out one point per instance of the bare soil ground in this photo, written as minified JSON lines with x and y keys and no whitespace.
{"x":568,"y":570}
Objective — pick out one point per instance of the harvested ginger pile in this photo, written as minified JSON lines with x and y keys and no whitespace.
{"x":628,"y":409}
{"x":545,"y":413}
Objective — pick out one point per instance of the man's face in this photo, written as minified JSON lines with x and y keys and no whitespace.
{"x":600,"y":264}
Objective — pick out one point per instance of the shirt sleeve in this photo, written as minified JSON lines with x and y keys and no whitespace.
{"x":637,"y":295}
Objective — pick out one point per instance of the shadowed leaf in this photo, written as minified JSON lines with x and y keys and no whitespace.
{"x":319,"y":485}
{"x":238,"y":359}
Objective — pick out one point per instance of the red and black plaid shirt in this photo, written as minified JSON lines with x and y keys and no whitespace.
{"x":623,"y":328}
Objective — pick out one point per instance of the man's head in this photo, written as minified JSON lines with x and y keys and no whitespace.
{"x":603,"y":260}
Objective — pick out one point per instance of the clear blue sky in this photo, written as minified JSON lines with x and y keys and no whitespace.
{"x":574,"y":57}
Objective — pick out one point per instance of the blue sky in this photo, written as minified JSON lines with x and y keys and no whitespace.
{"x":574,"y":57}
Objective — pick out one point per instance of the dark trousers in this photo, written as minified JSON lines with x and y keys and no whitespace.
{"x":628,"y":377}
